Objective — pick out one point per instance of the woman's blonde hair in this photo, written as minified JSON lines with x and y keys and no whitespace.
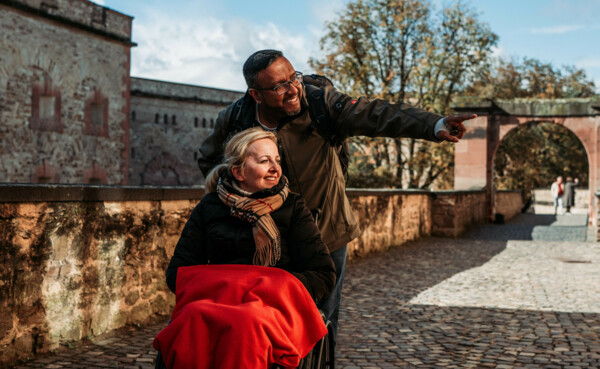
{"x":236,"y":152}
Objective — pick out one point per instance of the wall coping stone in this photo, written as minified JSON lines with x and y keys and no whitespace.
{"x":26,"y":6}
{"x":355,"y":192}
{"x":570,"y":107}
{"x":10,"y":192}
{"x":25,"y":192}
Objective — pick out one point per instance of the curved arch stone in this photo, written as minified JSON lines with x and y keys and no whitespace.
{"x":474,"y":154}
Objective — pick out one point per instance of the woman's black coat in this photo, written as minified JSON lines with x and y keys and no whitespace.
{"x":213,"y":236}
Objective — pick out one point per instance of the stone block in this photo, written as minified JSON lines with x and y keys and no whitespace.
{"x":132,"y":297}
{"x":140,"y":313}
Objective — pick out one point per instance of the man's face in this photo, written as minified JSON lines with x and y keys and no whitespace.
{"x":287,"y":104}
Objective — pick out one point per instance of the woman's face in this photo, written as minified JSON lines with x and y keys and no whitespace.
{"x":262,"y":169}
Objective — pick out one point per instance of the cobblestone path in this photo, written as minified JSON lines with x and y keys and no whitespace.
{"x":521,"y":295}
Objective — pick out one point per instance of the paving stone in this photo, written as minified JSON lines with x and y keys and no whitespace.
{"x":552,"y":322}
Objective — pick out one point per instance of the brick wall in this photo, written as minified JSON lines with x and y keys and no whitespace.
{"x":78,"y":261}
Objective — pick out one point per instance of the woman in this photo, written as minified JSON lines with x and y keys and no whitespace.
{"x":233,"y":224}
{"x":248,"y":217}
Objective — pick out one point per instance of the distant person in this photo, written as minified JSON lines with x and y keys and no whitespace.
{"x":569,"y":197}
{"x":557,"y":190}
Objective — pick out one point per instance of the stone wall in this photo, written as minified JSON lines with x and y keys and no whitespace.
{"x":388,"y":218}
{"x":596,"y":199}
{"x":508,"y":203}
{"x":542,"y":196}
{"x":82,"y":267}
{"x":78,"y":261}
{"x":169,"y":121}
{"x":454,"y":212}
{"x":64,"y":92}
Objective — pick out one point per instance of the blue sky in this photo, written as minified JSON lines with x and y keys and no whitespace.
{"x":205,"y":42}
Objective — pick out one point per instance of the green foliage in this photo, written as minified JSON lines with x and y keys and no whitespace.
{"x":400,"y":50}
{"x":533,"y":155}
{"x":530,"y":79}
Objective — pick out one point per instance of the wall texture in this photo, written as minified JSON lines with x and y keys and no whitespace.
{"x":454,"y":212}
{"x":64,"y":92}
{"x":388,"y":218}
{"x":80,"y":261}
{"x":169,"y":121}
{"x":508,"y":203}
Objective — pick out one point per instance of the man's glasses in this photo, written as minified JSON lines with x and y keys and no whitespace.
{"x":284,"y":87}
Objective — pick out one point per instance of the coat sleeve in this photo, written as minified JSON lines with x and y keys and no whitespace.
{"x":379,"y":118}
{"x":313,"y":265}
{"x":190,"y":249}
{"x":211,"y":150}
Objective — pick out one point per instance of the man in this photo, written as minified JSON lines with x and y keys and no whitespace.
{"x":276,"y":100}
{"x":569,"y":197}
{"x":557,"y":190}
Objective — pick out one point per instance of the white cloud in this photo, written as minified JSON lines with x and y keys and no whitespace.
{"x":207,"y":53}
{"x":556,"y":29}
{"x":99,"y":2}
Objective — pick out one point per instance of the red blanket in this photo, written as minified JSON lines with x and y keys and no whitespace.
{"x":239,"y":316}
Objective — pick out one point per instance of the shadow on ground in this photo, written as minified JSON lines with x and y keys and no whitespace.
{"x":379,"y":328}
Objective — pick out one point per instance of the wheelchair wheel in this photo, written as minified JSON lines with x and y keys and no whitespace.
{"x":323,"y":356}
{"x":159,"y":363}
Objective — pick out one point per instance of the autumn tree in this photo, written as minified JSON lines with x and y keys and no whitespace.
{"x":402,"y":51}
{"x":530,"y":78}
{"x":533,"y":155}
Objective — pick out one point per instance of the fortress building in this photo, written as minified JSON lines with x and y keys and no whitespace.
{"x":71,"y":113}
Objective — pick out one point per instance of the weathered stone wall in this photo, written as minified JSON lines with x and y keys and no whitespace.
{"x":454,"y":212}
{"x":78,"y":261}
{"x":169,"y":121}
{"x":72,"y":269}
{"x":388,"y":218}
{"x":508,"y":203}
{"x":62,"y":62}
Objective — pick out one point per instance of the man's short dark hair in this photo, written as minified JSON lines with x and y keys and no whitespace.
{"x":257,"y":62}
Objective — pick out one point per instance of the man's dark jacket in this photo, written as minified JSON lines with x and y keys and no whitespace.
{"x":311,"y":163}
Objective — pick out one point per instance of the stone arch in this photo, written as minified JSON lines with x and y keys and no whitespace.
{"x":474,"y":154}
{"x":163,"y":170}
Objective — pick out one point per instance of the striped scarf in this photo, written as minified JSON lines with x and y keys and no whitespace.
{"x":257,"y":211}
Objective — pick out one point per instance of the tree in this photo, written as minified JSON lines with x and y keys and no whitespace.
{"x":533,"y":155}
{"x":530,"y":78}
{"x":396,"y":50}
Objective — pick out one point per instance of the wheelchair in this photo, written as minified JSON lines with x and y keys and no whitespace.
{"x":322,"y":356}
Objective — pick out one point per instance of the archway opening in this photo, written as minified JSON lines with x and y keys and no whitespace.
{"x":531,"y":156}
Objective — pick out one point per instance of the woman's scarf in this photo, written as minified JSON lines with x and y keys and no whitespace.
{"x":257,"y":211}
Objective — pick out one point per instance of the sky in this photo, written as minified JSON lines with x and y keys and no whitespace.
{"x":202,"y":42}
